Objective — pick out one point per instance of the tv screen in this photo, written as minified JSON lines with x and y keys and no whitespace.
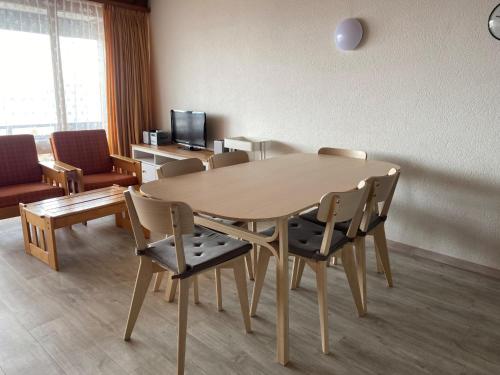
{"x":188,"y":128}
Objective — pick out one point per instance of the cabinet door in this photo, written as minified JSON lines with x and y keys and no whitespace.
{"x":148,"y":172}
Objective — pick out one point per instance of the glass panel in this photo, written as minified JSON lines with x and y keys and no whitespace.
{"x":52,"y":69}
{"x":27,"y":97}
{"x":82,"y":82}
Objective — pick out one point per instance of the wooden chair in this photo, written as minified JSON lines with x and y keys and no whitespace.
{"x":182,"y":254}
{"x":373,"y":224}
{"x":379,"y":202}
{"x":172,"y":169}
{"x":180,"y":167}
{"x":23,"y":179}
{"x":315,"y":245}
{"x":343,"y":152}
{"x":226,"y":159}
{"x":355,"y":154}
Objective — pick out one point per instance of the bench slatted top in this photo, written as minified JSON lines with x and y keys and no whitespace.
{"x":78,"y":203}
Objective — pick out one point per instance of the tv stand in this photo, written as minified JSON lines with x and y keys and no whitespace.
{"x":189,"y":148}
{"x":152,"y":157}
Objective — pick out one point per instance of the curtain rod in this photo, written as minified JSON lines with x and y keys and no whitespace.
{"x":122,"y":5}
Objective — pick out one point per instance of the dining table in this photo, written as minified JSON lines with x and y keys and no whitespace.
{"x":270,"y":190}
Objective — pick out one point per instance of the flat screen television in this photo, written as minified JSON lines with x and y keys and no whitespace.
{"x":189,"y":128}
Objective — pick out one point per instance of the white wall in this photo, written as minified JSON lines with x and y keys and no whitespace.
{"x":422,"y":91}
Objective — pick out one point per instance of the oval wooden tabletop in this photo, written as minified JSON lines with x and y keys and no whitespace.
{"x":266,"y":189}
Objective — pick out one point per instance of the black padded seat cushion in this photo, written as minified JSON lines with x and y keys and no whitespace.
{"x":203,"y":249}
{"x":311,"y":216}
{"x":343,"y":226}
{"x":305,"y":237}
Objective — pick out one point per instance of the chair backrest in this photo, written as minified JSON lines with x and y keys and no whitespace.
{"x":180,"y":167}
{"x":342,"y":206}
{"x":18,"y":160}
{"x":355,"y":154}
{"x":381,"y":194}
{"x":84,"y":149}
{"x":228,"y":158}
{"x":160,"y":217}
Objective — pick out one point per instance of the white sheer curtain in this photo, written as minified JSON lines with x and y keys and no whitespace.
{"x":52,"y":67}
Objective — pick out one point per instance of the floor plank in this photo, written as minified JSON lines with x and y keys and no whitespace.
{"x":436,"y":320}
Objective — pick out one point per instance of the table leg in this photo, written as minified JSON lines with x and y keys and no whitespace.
{"x":282,"y":293}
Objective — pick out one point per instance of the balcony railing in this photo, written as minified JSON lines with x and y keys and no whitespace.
{"x":43,"y":131}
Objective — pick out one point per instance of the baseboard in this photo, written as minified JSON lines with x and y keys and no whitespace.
{"x":445,"y":259}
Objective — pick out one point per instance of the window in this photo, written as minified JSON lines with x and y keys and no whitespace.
{"x":52,"y":70}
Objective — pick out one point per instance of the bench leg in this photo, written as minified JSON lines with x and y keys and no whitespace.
{"x":50,"y":238}
{"x":120,"y":221}
{"x":40,"y":239}
{"x":26,"y":230}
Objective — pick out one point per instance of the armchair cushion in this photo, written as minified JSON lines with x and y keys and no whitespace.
{"x":12,"y":195}
{"x":101,"y":180}
{"x":18,"y":160}
{"x":342,"y":226}
{"x":84,"y":149}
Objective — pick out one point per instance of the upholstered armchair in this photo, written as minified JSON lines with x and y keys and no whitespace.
{"x":84,"y":154}
{"x":23,"y":179}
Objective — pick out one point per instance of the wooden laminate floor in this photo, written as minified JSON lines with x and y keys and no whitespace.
{"x":436,"y":320}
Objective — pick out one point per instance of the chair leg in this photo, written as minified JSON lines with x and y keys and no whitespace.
{"x":381,"y":246}
{"x":298,"y":269}
{"x":323,"y":305}
{"x":295,"y":271}
{"x":241,"y":287}
{"x":361,"y":266}
{"x":218,"y":289}
{"x":171,"y":288}
{"x":302,"y":265}
{"x":182,"y":325}
{"x":252,"y":226}
{"x":334,"y":261}
{"x":248,"y":261}
{"x":144,"y":276}
{"x":380,"y":268}
{"x":260,"y":275}
{"x":158,"y":279}
{"x":351,"y":272}
{"x":196,"y":293}
{"x":255,"y":257}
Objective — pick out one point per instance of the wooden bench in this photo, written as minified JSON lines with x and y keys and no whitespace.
{"x":41,"y":219}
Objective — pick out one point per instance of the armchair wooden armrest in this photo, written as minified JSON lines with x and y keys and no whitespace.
{"x":54,"y":176}
{"x":127,"y":165}
{"x":65,"y":167}
{"x":72,"y":175}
